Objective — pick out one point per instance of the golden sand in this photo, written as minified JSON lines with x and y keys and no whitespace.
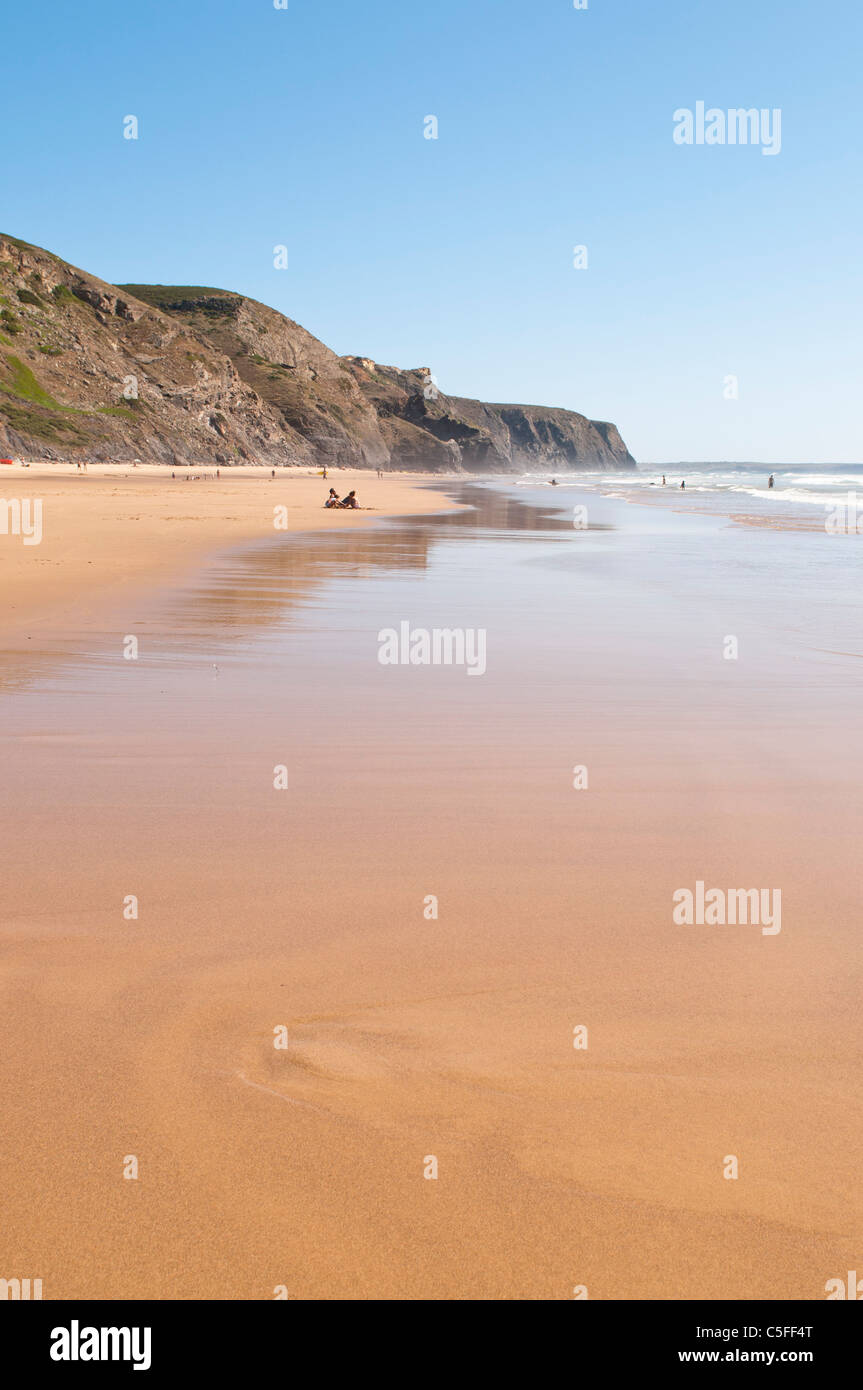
{"x":116,"y":525}
{"x":409,"y":1038}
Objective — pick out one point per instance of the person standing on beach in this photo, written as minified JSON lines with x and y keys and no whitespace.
{"x":683,"y":485}
{"x":663,"y":480}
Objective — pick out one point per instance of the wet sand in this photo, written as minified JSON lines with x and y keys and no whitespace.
{"x":412,"y":1036}
{"x":119,"y":526}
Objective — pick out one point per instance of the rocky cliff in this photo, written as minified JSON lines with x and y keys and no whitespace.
{"x":178,"y":374}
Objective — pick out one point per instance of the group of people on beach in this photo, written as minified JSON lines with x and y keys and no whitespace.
{"x":334,"y":501}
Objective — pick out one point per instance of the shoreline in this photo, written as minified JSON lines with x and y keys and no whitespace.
{"x":94,"y":545}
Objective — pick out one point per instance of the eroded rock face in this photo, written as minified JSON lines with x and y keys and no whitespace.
{"x":485,"y":438}
{"x":183,"y":374}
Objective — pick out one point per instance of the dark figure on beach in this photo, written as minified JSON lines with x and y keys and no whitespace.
{"x":663,"y":480}
{"x":325,"y":475}
{"x":553,"y":482}
{"x":683,"y":485}
{"x":770,"y":480}
{"x":333,"y":499}
{"x":350,"y":500}
{"x":272,"y":472}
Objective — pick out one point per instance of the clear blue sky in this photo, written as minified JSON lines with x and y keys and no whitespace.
{"x":304,"y":127}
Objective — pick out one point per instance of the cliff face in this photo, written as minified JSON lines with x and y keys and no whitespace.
{"x":483,"y":438}
{"x":179,"y":374}
{"x":303,"y":386}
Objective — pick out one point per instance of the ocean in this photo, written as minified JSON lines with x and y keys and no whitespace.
{"x":806,"y":493}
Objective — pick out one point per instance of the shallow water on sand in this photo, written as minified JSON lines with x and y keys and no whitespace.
{"x":451,"y":1034}
{"x":802,"y":494}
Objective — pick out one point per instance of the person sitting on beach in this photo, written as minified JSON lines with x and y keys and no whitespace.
{"x":333,"y":499}
{"x":350,"y":500}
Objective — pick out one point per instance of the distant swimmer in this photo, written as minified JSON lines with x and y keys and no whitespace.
{"x":554,"y":482}
{"x":770,"y":480}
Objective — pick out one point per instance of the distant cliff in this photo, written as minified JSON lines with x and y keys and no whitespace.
{"x":185,"y":374}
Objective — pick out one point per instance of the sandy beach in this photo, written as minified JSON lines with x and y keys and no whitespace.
{"x":118,"y":525}
{"x":414,"y":1037}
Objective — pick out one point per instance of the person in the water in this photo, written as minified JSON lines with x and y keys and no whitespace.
{"x":770,"y":480}
{"x":683,"y":486}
